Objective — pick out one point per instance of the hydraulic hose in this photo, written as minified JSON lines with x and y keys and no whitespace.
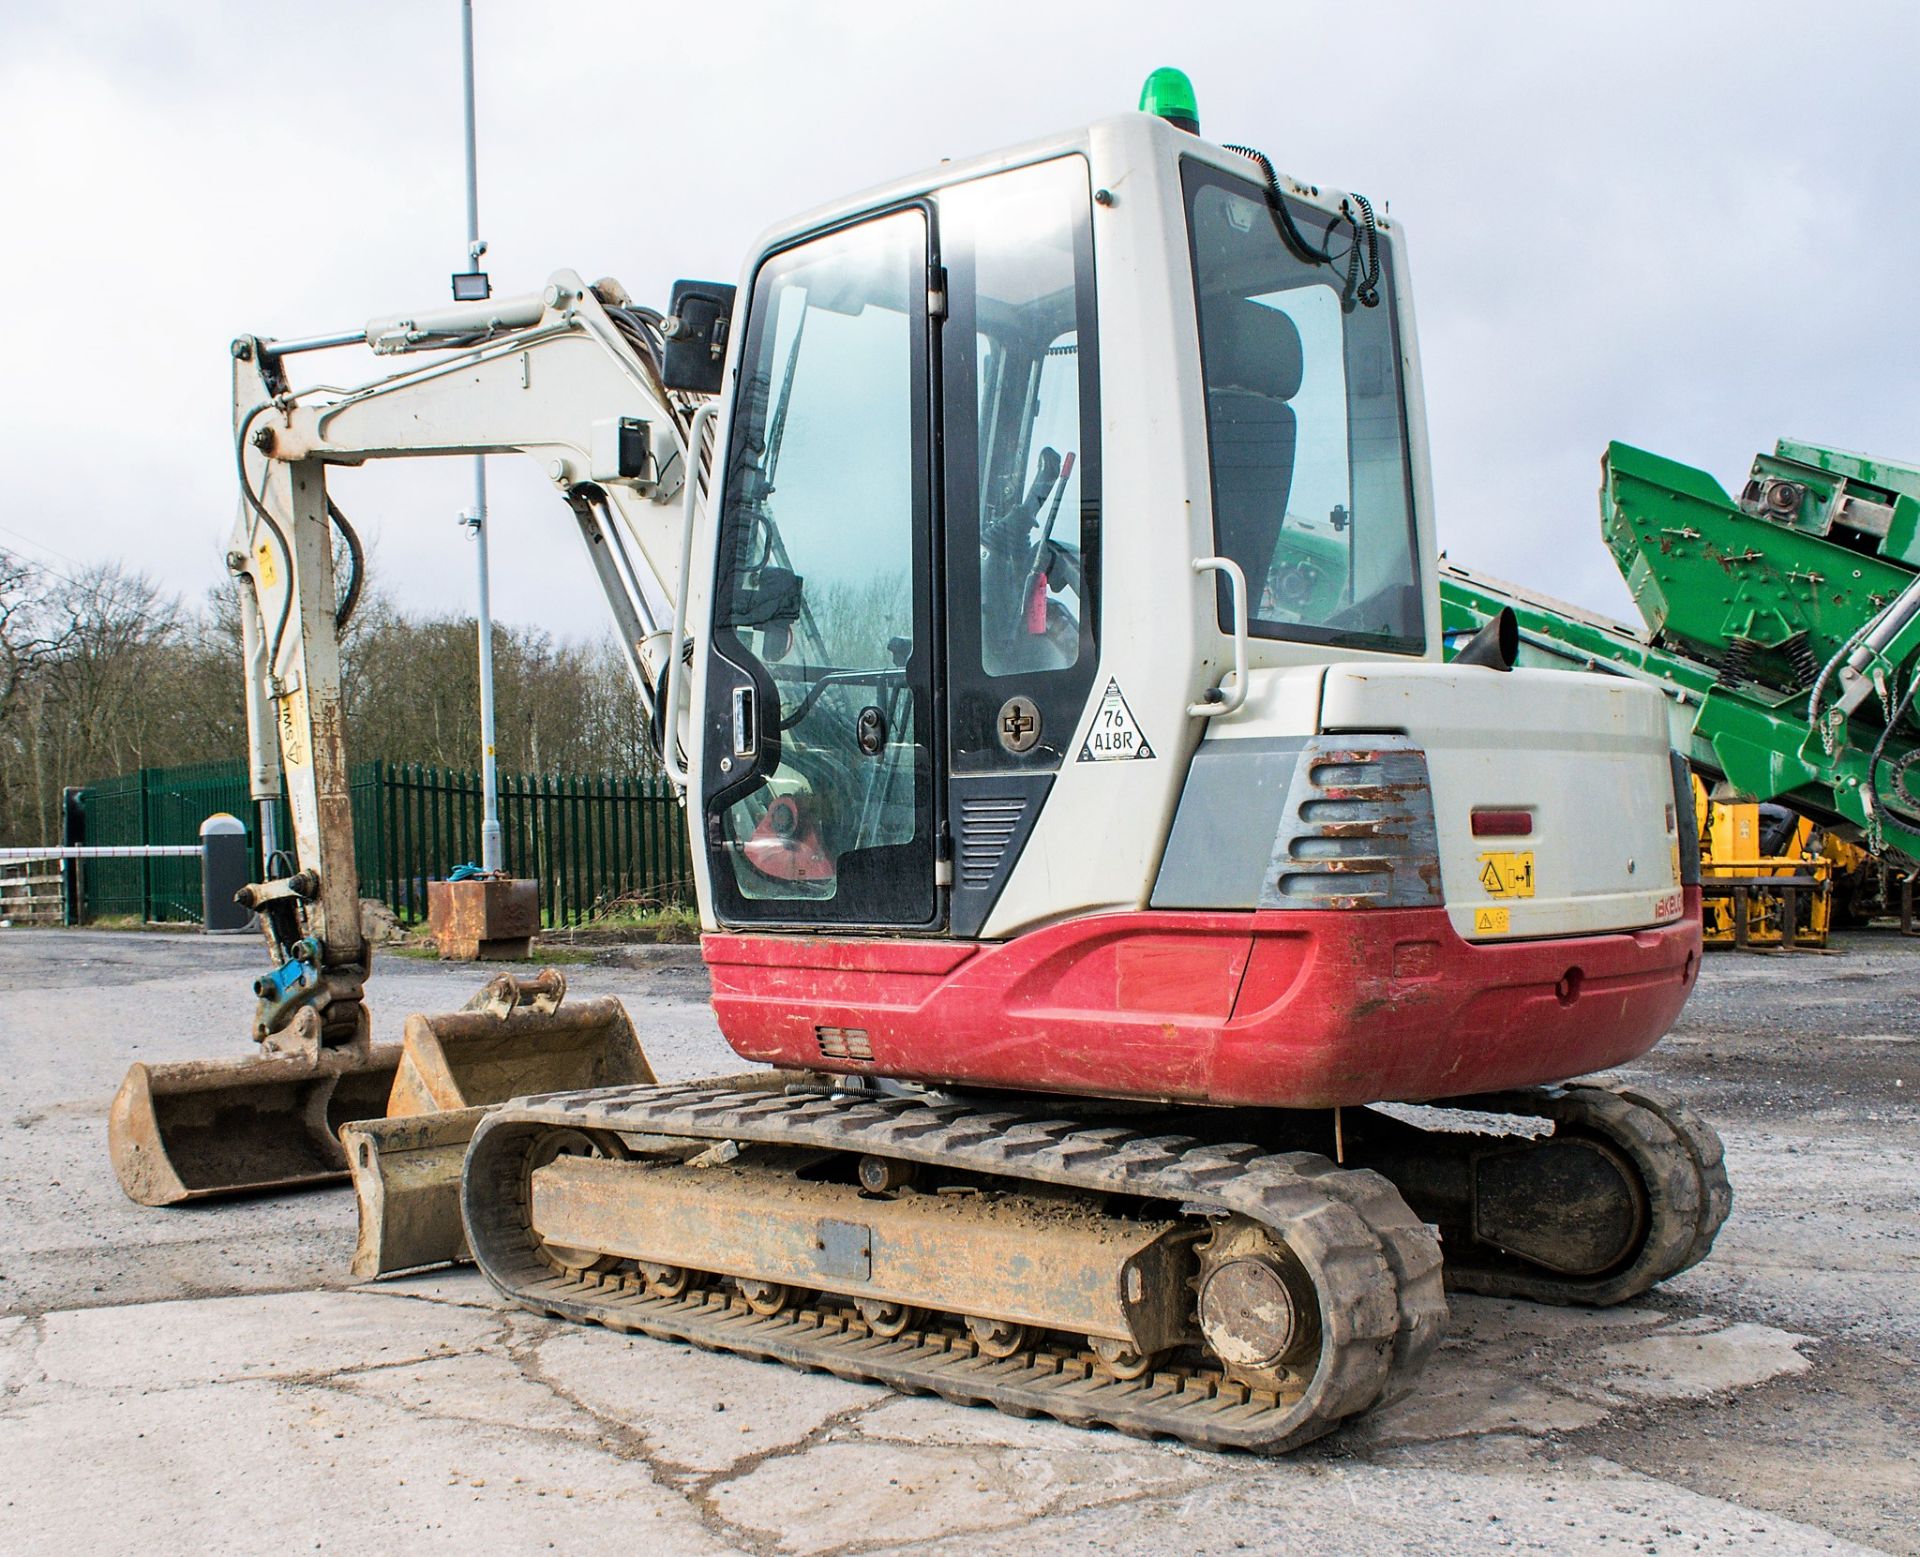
{"x":343,"y":613}
{"x":279,"y":535}
{"x":1826,"y":674}
{"x":356,"y":553}
{"x":1879,"y":748}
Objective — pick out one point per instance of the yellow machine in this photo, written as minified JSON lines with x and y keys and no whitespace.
{"x":1766,"y":873}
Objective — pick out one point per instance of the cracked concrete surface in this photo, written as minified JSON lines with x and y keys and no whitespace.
{"x":209,"y":1375}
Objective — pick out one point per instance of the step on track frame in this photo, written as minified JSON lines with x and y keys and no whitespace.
{"x":1374,"y":1266}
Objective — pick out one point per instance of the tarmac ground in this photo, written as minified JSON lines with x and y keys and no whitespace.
{"x":210,"y":1376}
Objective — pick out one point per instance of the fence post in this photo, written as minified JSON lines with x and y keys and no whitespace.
{"x":376,"y":803}
{"x":73,"y":830}
{"x":146,"y":861}
{"x":409,"y":834}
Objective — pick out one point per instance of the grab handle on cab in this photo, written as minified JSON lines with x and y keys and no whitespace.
{"x":676,"y":675}
{"x":1224,"y":699}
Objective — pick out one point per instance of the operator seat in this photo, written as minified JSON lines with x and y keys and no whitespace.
{"x":1254,"y":367}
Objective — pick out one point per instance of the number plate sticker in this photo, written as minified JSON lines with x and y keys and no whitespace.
{"x":1507,"y":873}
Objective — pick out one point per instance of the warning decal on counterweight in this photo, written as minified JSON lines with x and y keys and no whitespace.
{"x":1115,"y":736}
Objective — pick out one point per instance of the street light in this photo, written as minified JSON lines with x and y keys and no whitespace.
{"x":472,"y":286}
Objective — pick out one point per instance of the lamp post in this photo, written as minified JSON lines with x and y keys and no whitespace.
{"x":471,"y":285}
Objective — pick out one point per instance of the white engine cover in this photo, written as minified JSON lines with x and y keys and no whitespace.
{"x":1586,"y":755}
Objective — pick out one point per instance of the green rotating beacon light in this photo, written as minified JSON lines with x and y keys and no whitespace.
{"x":1168,"y":95}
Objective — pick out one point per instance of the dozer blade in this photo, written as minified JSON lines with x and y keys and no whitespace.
{"x":406,"y":1177}
{"x":514,"y":1039}
{"x":227,"y":1127}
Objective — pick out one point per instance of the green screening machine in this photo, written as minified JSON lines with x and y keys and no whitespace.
{"x":1783,"y":624}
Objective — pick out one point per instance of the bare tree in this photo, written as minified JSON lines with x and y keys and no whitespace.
{"x":104,"y":672}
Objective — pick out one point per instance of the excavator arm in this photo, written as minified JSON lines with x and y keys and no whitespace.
{"x":572,"y":376}
{"x":566,"y":376}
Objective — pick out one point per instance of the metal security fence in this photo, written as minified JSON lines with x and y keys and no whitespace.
{"x":157,"y":806}
{"x":587,"y":840}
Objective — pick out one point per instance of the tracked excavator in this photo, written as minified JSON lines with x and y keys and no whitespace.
{"x":1156,"y":957}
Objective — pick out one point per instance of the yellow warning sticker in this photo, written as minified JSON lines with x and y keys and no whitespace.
{"x":263,"y":558}
{"x":1490,"y":921}
{"x":1507,"y":874}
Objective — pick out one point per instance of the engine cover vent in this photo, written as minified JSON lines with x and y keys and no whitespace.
{"x":992,"y":816}
{"x":1357,"y":829}
{"x":988,"y":825}
{"x":844,"y":1043}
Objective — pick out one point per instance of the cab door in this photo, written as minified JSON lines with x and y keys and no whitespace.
{"x":820,"y":790}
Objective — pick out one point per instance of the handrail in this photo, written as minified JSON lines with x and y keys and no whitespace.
{"x":1218,"y":700}
{"x":670,"y":724}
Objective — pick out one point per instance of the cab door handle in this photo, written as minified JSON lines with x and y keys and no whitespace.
{"x":746,"y":725}
{"x":691,"y":462}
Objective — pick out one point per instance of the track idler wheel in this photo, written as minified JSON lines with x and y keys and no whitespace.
{"x":1258,"y":1314}
{"x":1629,"y":1189}
{"x":551,"y":1146}
{"x":878,"y":1175}
{"x":766,"y":1298}
{"x":886,"y":1319}
{"x":1119,"y":1359}
{"x":668,"y":1281}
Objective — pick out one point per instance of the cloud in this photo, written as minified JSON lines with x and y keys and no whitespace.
{"x":1680,"y":226}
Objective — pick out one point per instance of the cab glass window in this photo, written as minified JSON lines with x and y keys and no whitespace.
{"x":1306,"y":424}
{"x":1022,"y":427}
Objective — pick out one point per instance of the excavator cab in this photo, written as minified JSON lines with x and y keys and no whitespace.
{"x":922,"y":557}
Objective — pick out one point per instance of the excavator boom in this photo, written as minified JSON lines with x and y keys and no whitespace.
{"x":571,"y":377}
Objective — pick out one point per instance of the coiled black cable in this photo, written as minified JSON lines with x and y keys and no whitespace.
{"x":1290,"y":234}
{"x":1367,"y":289}
{"x":1364,"y":286}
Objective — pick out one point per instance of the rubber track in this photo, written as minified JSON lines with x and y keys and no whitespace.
{"x":1376,"y":1267}
{"x":1680,"y":1161}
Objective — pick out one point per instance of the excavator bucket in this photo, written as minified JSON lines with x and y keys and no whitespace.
{"x":512,"y":1040}
{"x":226,"y":1127}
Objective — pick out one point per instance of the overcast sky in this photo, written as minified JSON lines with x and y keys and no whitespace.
{"x":1688,"y":226}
